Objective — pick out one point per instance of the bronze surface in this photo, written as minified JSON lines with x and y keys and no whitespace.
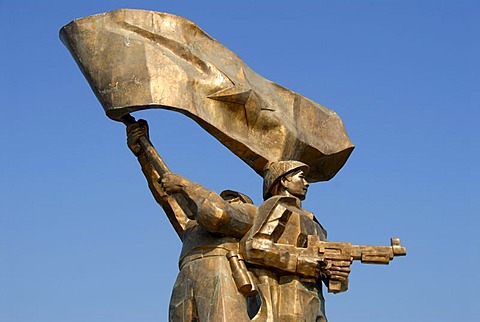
{"x":238,"y":262}
{"x":136,"y":59}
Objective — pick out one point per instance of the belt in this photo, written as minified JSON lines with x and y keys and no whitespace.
{"x":200,"y":253}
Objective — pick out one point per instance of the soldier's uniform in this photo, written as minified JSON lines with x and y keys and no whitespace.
{"x":289,"y":283}
{"x":205,"y":290}
{"x":273,"y":247}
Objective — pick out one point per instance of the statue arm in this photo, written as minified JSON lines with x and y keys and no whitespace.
{"x":176,"y":210}
{"x":210,"y":210}
{"x":264,"y":252}
{"x":260,"y":246}
{"x":287,"y":258}
{"x":134,"y":132}
{"x":221,"y":217}
{"x":152,"y":177}
{"x":184,"y":200}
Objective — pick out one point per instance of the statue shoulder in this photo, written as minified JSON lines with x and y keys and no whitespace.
{"x":274,"y":201}
{"x":271,"y":205}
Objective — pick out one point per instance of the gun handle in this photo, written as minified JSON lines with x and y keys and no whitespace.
{"x":334,"y":286}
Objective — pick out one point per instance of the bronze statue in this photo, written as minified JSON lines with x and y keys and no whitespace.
{"x":239,"y":262}
{"x":205,"y":289}
{"x":288,"y":252}
{"x":289,"y":281}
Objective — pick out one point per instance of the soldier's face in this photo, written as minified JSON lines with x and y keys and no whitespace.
{"x":296,"y":184}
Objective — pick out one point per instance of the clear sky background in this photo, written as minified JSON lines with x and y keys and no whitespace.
{"x":82,"y":240}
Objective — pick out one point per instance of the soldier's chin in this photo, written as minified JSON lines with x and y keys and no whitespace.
{"x":302,"y":196}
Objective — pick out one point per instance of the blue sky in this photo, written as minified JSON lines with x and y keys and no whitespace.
{"x":81,"y":239}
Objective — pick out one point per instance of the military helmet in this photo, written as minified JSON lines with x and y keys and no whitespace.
{"x":275,"y":170}
{"x":229,"y":195}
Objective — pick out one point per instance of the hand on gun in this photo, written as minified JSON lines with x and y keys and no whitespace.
{"x":330,"y":271}
{"x":134,"y":132}
{"x":335,"y":274}
{"x":338,"y":257}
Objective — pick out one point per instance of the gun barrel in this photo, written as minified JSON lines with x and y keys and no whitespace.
{"x":378,"y":254}
{"x":398,"y":250}
{"x":342,"y":254}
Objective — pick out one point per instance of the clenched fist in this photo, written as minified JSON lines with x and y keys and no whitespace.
{"x":134,"y":132}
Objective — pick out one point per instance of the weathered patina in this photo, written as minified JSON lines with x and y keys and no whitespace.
{"x":136,"y":59}
{"x":239,"y":262}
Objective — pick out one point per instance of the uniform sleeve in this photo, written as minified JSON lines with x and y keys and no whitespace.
{"x":260,"y":246}
{"x":218,"y":216}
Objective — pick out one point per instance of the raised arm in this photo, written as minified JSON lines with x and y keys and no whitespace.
{"x":210,"y":210}
{"x":176,"y":210}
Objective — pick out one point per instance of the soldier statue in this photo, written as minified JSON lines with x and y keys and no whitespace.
{"x":238,"y":262}
{"x":205,"y":289}
{"x":289,"y":282}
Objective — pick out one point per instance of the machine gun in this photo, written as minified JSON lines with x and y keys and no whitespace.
{"x":343,"y":253}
